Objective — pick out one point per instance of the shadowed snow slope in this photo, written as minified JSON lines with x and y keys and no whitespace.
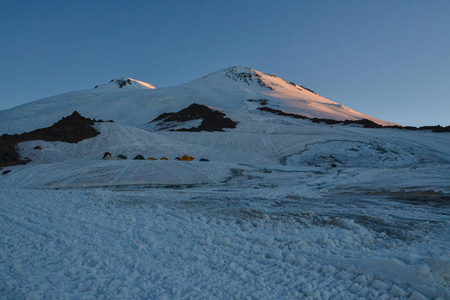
{"x":135,"y":103}
{"x":270,"y":146}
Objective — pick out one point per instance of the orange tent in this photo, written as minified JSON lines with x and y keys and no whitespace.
{"x":151,"y":158}
{"x":186,"y":158}
{"x":164,"y":158}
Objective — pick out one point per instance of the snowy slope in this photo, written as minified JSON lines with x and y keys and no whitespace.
{"x":81,"y":164}
{"x":285,"y":148}
{"x":137,"y":103}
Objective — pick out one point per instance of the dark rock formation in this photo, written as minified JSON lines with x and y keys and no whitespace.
{"x":364,"y":122}
{"x":122,"y":83}
{"x":437,"y":128}
{"x":212,"y":120}
{"x":262,"y":102}
{"x":248,"y":77}
{"x":71,"y":129}
{"x":309,"y":90}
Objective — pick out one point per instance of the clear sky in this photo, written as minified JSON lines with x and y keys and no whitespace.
{"x":387,"y":59}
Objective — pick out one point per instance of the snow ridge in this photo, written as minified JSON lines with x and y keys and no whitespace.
{"x":125,"y":82}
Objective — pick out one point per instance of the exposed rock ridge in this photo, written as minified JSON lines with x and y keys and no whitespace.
{"x":70,"y":129}
{"x":246,"y":75}
{"x":365,"y":122}
{"x":212,"y":120}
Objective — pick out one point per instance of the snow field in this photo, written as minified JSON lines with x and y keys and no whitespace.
{"x":171,"y":244}
{"x":263,"y":152}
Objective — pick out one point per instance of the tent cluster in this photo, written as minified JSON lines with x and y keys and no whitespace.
{"x":108,"y":155}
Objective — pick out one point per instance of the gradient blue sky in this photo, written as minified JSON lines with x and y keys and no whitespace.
{"x":388,"y":59}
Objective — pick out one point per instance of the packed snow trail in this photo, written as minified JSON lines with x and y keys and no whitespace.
{"x":201,"y":243}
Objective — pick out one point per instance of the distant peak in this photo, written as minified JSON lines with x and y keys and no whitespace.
{"x":122,"y":82}
{"x":126,"y":82}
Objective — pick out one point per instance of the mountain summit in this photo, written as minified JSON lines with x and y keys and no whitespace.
{"x":250,"y":76}
{"x":241,"y":74}
{"x":126,"y":83}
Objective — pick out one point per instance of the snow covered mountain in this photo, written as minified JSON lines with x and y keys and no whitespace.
{"x":279,"y":93}
{"x":125,"y":83}
{"x":281,"y":207}
{"x":235,"y":90}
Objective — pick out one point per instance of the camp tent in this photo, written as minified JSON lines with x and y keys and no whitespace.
{"x":139,"y":157}
{"x":186,"y":158}
{"x":151,"y":158}
{"x":120,"y":156}
{"x":164,"y":158}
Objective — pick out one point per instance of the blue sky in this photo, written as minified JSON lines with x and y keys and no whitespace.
{"x":387,"y":59}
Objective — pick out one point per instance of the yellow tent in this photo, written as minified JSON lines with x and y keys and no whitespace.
{"x":186,"y":158}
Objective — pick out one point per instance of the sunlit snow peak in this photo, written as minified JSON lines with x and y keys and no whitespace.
{"x":125,"y":83}
{"x":253,"y":77}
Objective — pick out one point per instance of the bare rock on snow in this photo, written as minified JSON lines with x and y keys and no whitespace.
{"x":211,"y":120}
{"x":70,"y":129}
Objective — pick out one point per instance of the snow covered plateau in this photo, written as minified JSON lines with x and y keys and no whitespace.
{"x":283,"y":208}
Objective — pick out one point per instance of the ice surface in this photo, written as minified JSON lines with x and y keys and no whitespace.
{"x":203,"y":243}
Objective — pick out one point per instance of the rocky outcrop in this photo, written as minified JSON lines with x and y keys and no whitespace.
{"x":211,"y":120}
{"x":364,"y":122}
{"x":246,"y":75}
{"x":71,"y":129}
